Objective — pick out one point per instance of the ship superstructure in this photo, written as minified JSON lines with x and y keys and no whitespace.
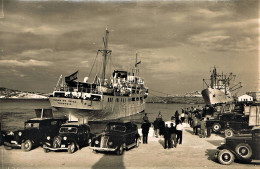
{"x":123,"y":94}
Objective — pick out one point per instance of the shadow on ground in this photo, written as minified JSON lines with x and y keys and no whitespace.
{"x":215,"y":142}
{"x":110,"y":161}
{"x":210,"y":153}
{"x":161,"y":141}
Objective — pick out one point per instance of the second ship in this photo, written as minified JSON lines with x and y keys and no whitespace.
{"x":122,"y":94}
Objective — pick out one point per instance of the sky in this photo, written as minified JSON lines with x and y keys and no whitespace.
{"x":178,"y":42}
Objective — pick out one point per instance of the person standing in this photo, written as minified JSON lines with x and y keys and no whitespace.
{"x":173,"y":136}
{"x":145,"y":130}
{"x":182,"y":116}
{"x":202,"y":127}
{"x":159,"y":115}
{"x":167,"y":135}
{"x":156,"y":127}
{"x":179,"y":129}
{"x":176,"y":116}
{"x":145,"y":118}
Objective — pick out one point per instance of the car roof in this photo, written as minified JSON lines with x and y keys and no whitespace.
{"x":35,"y":120}
{"x":73,"y":124}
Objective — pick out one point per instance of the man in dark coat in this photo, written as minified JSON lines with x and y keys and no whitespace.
{"x":145,"y":130}
{"x":156,"y":127}
{"x":173,"y":133}
{"x":167,"y":137}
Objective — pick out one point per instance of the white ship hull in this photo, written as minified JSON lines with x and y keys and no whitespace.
{"x":110,"y":107}
{"x":214,"y":96}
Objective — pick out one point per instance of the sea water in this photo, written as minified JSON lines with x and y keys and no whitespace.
{"x":14,"y":112}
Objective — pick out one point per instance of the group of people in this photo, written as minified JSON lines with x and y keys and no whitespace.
{"x":171,"y":130}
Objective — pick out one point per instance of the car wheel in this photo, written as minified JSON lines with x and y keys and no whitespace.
{"x":8,"y":148}
{"x":229,"y":133}
{"x":120,"y":150}
{"x":244,"y":150}
{"x":216,"y":127}
{"x":225,"y":157}
{"x":27,"y":145}
{"x":44,"y":149}
{"x":71,"y":148}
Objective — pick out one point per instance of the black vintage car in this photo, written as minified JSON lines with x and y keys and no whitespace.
{"x":116,"y":137}
{"x":230,"y":124}
{"x":34,"y":133}
{"x":244,"y":148}
{"x":72,"y":136}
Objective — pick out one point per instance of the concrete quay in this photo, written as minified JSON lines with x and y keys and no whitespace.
{"x":195,"y":153}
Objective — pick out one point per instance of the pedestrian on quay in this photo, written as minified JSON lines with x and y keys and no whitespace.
{"x":189,"y":118}
{"x":208,"y":128}
{"x":159,"y":115}
{"x":173,"y":135}
{"x":176,"y":116}
{"x":179,"y":129}
{"x":161,"y":125}
{"x":156,"y":127}
{"x":167,"y":137}
{"x":145,"y":118}
{"x":145,"y":130}
{"x":182,"y":116}
{"x":202,"y":127}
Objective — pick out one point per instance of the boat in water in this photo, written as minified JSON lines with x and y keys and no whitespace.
{"x":219,"y":89}
{"x":122,"y":94}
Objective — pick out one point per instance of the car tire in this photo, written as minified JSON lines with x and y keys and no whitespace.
{"x":229,"y":133}
{"x":120,"y":150}
{"x":226,"y":157}
{"x":244,"y":151}
{"x":71,"y":148}
{"x":216,"y":127}
{"x":27,"y":145}
{"x":8,"y":148}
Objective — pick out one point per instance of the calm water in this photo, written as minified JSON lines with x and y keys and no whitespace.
{"x":13,"y":113}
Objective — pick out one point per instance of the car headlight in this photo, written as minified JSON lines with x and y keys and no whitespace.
{"x":48,"y":138}
{"x":110,"y":143}
{"x":96,"y":142}
{"x":20,"y":133}
{"x":64,"y":138}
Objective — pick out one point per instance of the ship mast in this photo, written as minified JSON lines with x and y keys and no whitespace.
{"x":105,"y":52}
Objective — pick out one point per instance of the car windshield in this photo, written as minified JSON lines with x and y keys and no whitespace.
{"x":119,"y":128}
{"x":31,"y":125}
{"x":68,"y":130}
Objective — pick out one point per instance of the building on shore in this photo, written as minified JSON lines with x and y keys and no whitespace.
{"x":255,"y":95}
{"x":245,"y":98}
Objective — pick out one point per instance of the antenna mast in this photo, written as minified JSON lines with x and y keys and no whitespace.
{"x":105,"y":52}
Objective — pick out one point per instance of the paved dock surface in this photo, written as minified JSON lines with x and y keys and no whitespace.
{"x":194,"y":153}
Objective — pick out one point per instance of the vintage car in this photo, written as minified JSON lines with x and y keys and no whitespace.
{"x":34,"y":133}
{"x":244,"y":148}
{"x":72,"y":136}
{"x":2,"y":135}
{"x":116,"y":137}
{"x":230,"y":124}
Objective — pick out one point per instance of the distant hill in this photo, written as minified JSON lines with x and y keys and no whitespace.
{"x":6,"y":93}
{"x":175,"y":99}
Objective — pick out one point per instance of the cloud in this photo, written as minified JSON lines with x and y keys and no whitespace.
{"x":24,"y":63}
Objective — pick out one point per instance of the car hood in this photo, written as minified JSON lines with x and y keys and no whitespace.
{"x":69,"y":135}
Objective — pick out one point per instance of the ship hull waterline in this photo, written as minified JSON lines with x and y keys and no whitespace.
{"x":215,"y":96}
{"x":99,"y":110}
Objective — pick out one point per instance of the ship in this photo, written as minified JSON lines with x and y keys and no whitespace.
{"x":219,"y":89}
{"x":122,"y":94}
